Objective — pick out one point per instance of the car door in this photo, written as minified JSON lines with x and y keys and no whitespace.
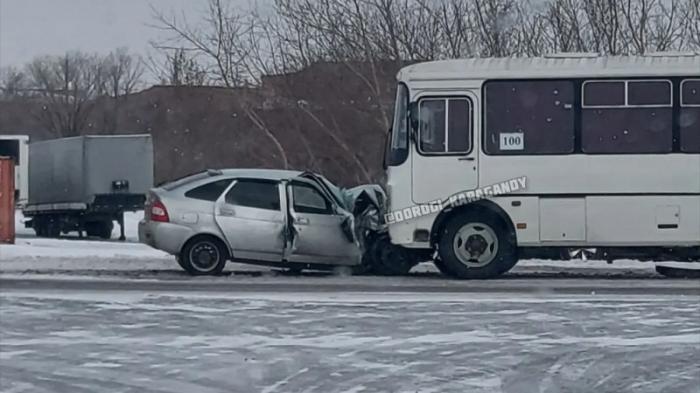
{"x":251,"y":216}
{"x":317,"y":226}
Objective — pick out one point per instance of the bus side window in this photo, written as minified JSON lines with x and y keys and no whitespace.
{"x":529,"y":117}
{"x":444,"y":126}
{"x":431,"y":125}
{"x":639,"y":121}
{"x":690,"y":116}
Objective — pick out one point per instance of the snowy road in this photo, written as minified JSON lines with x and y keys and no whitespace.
{"x":126,"y":341}
{"x":88,"y":316}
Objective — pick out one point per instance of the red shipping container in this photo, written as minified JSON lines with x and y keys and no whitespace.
{"x":7,"y":200}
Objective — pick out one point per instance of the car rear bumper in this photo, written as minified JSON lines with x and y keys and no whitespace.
{"x":164,"y":236}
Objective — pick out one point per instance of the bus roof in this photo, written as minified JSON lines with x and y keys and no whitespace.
{"x":567,"y":65}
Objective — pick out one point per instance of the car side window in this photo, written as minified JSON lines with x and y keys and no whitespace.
{"x":307,"y":199}
{"x":259,"y":194}
{"x":210,"y":191}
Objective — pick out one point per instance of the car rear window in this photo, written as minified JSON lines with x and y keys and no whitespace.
{"x":210,"y":191}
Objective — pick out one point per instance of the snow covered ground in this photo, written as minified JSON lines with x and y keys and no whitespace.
{"x":73,"y":256}
{"x":140,"y":342}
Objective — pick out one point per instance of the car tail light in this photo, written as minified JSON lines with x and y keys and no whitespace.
{"x":158,"y":211}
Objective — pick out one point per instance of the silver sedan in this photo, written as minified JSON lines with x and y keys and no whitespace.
{"x":271,"y":217}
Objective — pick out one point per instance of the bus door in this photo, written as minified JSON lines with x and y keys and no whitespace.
{"x":444,"y":159}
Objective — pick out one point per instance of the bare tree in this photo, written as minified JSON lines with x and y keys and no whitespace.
{"x":220,"y":38}
{"x":13,"y":83}
{"x":120,"y":74}
{"x":177,"y":67}
{"x":691,"y":22}
{"x":496,"y":24}
{"x":68,"y":85}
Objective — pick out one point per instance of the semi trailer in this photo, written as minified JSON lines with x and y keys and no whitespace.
{"x":86,"y":183}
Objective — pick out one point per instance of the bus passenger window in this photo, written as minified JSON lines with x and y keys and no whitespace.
{"x":689,"y":119}
{"x":529,"y":117}
{"x":641,"y":123}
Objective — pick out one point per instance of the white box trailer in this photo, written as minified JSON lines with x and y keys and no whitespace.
{"x":85,"y":183}
{"x":17,"y":148}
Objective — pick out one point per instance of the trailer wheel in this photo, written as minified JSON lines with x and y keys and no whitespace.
{"x":101,"y":229}
{"x":203,"y":255}
{"x":39,"y":228}
{"x":52,"y":229}
{"x":476,"y":245}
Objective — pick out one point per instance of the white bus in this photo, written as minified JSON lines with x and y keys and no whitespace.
{"x":17,"y":147}
{"x":609,"y":146}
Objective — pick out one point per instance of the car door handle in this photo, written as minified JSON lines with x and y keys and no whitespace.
{"x":225,"y":211}
{"x":465,"y":159}
{"x":301,"y":221}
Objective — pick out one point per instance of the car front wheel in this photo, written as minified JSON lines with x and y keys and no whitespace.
{"x":203,"y":256}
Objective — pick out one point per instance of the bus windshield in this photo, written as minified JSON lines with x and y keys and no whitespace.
{"x":397,"y":143}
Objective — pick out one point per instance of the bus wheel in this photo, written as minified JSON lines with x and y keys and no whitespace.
{"x":476,"y":245}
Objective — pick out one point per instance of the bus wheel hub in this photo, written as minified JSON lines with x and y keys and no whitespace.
{"x":476,"y":245}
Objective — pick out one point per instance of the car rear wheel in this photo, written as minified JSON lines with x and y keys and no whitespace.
{"x":476,"y":245}
{"x":203,"y":256}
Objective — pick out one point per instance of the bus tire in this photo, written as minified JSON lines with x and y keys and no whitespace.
{"x":476,"y":245}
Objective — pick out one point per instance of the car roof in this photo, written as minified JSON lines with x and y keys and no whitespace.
{"x":199,"y":178}
{"x":267,"y":174}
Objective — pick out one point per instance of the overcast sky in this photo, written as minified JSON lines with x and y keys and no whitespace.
{"x":29,"y":28}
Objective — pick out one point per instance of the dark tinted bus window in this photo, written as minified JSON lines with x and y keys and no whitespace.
{"x":627,"y":130}
{"x":604,"y":93}
{"x":690,"y":92}
{"x":529,"y":117}
{"x":643,"y":123}
{"x":689,"y":119}
{"x":657,"y":93}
